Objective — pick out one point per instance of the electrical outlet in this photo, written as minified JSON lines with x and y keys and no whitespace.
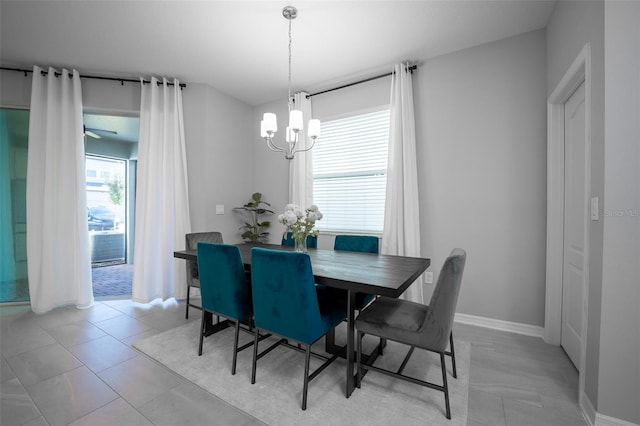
{"x":429,"y":277}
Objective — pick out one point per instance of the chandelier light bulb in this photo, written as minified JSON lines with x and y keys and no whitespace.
{"x":295,"y":119}
{"x":263,"y":129}
{"x":314,"y":128}
{"x":270,"y":122}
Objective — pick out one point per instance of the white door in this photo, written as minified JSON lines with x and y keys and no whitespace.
{"x":575,"y":220}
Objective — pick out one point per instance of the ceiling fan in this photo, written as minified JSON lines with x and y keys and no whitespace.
{"x":94,"y":133}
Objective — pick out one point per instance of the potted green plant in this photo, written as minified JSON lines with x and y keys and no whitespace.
{"x":255,"y":228}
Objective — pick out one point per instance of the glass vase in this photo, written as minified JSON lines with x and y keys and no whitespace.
{"x":301,"y":243}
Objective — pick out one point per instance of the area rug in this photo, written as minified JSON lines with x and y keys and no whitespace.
{"x":276,"y":397}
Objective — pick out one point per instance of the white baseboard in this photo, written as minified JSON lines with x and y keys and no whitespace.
{"x":588,"y":412}
{"x":513,"y":327}
{"x":602,"y":420}
{"x":594,"y":418}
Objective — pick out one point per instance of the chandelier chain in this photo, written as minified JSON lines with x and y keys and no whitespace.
{"x":289,"y":79}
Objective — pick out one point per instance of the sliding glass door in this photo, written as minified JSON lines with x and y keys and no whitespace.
{"x":14,"y":135}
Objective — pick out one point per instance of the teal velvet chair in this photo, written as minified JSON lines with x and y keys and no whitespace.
{"x":420,"y":326}
{"x":362,"y":244}
{"x":286,"y":304}
{"x":224,"y":288}
{"x":193,"y":277}
{"x":287,"y":240}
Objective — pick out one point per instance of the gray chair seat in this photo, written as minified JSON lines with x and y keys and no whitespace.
{"x":396,"y":319}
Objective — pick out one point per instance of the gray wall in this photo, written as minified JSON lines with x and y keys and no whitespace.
{"x":572,"y":25}
{"x":15,"y":89}
{"x":481,"y":131}
{"x":619,"y":378}
{"x":218,"y":130}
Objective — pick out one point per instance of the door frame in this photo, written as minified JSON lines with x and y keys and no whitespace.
{"x":578,"y":72}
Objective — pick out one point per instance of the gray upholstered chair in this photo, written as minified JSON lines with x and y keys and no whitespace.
{"x":193,"y":278}
{"x":416,"y":325}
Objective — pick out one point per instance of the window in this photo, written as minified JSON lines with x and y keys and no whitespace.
{"x":350,"y":172}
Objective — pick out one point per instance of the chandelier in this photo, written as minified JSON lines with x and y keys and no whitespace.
{"x":293,"y":132}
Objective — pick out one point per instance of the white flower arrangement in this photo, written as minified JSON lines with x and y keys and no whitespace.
{"x":300,"y":223}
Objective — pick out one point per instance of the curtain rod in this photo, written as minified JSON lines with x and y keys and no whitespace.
{"x":95,"y":77}
{"x":410,"y":69}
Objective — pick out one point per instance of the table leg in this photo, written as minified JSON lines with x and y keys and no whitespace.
{"x":210,"y":327}
{"x":350,"y":341}
{"x":332,"y":348}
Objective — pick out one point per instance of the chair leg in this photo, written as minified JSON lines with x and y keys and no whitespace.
{"x":453,"y":356}
{"x":444,"y":385}
{"x":235,"y":348}
{"x":359,"y":359}
{"x":202,"y":330}
{"x":186,"y":316}
{"x":306,"y":377}
{"x":255,"y":356}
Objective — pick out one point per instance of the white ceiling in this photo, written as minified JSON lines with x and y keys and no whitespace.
{"x":127,"y":128}
{"x":240,"y":47}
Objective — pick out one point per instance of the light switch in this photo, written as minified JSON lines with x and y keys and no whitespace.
{"x":594,"y":208}
{"x":219,"y":208}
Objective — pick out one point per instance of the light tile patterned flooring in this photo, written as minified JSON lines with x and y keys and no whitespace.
{"x":77,"y":367}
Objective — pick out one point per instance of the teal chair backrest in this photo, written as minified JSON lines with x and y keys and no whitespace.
{"x":223,"y":285}
{"x":284,"y":295}
{"x":287,"y":240}
{"x":361,"y":243}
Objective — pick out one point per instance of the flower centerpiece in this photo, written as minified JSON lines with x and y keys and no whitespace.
{"x":300,"y":223}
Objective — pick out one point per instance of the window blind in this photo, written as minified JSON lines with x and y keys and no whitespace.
{"x":350,"y":172}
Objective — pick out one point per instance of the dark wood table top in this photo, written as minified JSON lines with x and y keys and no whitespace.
{"x":385,"y":275}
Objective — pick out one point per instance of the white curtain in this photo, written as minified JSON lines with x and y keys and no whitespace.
{"x":301,"y":167}
{"x":162,"y":205}
{"x":401,"y":233}
{"x":59,"y":263}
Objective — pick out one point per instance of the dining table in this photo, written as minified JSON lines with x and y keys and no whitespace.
{"x":354,"y":272}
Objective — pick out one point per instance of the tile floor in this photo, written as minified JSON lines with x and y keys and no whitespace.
{"x":78,"y":367}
